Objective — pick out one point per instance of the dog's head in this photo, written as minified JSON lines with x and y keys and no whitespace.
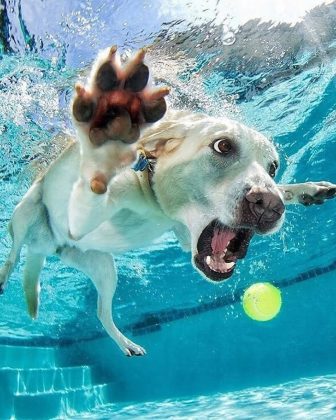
{"x":215,"y":176}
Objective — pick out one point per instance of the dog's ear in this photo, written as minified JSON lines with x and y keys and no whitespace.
{"x":161,"y":146}
{"x":164,"y":141}
{"x":166,"y":135}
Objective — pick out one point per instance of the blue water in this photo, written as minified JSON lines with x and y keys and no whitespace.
{"x":272,"y":71}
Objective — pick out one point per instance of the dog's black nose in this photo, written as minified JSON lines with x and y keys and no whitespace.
{"x":266,"y":206}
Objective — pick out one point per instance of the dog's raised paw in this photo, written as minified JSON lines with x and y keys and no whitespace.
{"x":320,"y":191}
{"x":117,"y":99}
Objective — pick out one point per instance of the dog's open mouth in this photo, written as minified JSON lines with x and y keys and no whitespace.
{"x":219,"y":247}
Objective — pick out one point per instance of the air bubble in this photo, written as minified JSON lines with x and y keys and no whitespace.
{"x":228,"y":38}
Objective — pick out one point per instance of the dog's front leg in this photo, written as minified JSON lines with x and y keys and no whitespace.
{"x":99,"y":266}
{"x":108,"y":113}
{"x":308,"y":193}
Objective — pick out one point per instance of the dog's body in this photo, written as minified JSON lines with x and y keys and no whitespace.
{"x":212,"y":184}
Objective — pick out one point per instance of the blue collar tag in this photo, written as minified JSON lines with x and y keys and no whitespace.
{"x":142,"y":163}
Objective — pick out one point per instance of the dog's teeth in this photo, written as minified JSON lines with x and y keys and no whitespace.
{"x":229,"y":265}
{"x":220,"y":266}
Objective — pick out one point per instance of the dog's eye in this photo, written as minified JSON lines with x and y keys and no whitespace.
{"x":223,"y":146}
{"x":272,"y":169}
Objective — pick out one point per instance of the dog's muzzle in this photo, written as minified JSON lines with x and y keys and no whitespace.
{"x":219,"y":247}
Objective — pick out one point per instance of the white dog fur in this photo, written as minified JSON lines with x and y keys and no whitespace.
{"x":190,"y":187}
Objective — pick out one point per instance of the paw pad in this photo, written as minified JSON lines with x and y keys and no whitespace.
{"x":98,"y":184}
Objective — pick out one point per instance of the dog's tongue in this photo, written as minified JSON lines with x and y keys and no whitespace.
{"x":220,"y":240}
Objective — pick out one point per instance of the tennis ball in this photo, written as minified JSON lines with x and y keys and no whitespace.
{"x":262,"y":301}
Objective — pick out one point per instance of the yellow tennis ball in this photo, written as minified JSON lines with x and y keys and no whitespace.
{"x":262,"y":301}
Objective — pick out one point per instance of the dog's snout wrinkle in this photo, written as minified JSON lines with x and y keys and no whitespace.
{"x":265,"y":205}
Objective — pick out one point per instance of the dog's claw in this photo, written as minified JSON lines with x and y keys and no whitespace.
{"x":112,"y":51}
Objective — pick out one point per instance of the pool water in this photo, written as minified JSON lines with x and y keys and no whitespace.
{"x":271,"y":68}
{"x":309,"y":397}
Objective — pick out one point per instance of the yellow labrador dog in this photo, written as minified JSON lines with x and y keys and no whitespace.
{"x":209,"y":180}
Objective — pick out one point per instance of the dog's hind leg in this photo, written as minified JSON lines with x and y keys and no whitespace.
{"x":12,"y":259}
{"x":24,"y":215}
{"x":29,"y":225}
{"x":99,"y":266}
{"x":31,"y":281}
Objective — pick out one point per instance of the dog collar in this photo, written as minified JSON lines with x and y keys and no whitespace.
{"x":144,"y":162}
